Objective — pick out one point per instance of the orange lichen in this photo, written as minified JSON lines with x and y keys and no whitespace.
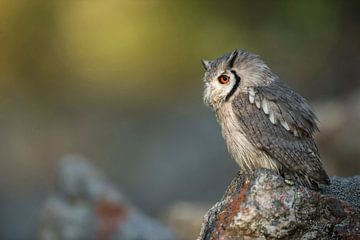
{"x":110,"y":215}
{"x":226,"y":216}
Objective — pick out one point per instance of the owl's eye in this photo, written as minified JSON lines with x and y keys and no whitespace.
{"x":223,"y":79}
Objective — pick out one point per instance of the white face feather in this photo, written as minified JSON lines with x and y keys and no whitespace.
{"x":215,"y":92}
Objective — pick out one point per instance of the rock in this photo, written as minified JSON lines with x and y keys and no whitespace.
{"x":85,"y":205}
{"x":345,"y":188}
{"x":263,"y":206}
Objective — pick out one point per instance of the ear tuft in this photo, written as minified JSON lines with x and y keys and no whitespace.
{"x":206,"y":64}
{"x":232,"y":58}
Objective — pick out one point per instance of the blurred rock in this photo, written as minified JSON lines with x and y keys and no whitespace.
{"x":86,"y":206}
{"x":263,"y":206}
{"x":184,"y":218}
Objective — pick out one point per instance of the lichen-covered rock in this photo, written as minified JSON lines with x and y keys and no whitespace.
{"x":264,"y":206}
{"x":86,"y":206}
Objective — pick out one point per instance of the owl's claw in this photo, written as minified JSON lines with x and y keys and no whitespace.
{"x":289,"y":182}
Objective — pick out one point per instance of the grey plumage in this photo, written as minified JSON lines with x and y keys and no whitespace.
{"x":265,"y":123}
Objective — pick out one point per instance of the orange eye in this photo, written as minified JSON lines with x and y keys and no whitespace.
{"x":223,"y":79}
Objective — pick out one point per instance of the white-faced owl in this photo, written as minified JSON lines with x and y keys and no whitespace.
{"x":265,"y":123}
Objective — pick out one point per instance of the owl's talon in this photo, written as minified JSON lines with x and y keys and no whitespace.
{"x":289,"y":182}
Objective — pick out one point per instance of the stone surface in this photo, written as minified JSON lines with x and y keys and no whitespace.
{"x":264,"y":206}
{"x":86,"y":206}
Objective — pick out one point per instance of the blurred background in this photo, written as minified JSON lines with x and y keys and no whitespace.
{"x":120,"y":83}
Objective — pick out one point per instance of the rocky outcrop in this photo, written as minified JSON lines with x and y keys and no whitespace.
{"x":264,"y":206}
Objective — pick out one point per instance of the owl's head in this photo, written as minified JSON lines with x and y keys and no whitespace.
{"x":231,"y":73}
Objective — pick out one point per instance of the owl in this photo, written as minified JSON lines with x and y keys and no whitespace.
{"x":265,"y":124}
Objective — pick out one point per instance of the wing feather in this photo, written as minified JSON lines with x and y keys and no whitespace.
{"x":284,"y":129}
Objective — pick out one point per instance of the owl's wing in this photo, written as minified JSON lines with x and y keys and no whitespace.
{"x":281,"y":123}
